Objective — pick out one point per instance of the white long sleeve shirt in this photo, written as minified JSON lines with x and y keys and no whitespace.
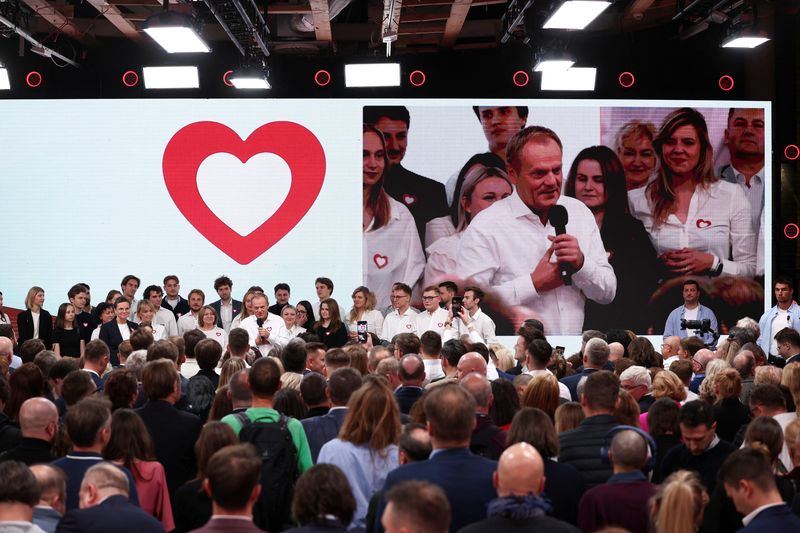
{"x":502,"y":246}
{"x":432,"y":321}
{"x":395,"y":323}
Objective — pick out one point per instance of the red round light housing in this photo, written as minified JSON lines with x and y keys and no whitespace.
{"x":130,"y":79}
{"x":627,"y":79}
{"x":33,"y":79}
{"x":521,"y":78}
{"x":725,"y":83}
{"x":791,"y":230}
{"x":225,"y":79}
{"x":791,"y":152}
{"x":322,"y":78}
{"x":417,"y":78}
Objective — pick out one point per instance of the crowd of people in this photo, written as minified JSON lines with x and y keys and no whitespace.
{"x":247,"y":416}
{"x":640,"y":217}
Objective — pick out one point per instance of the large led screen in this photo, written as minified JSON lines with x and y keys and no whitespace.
{"x":269,"y":191}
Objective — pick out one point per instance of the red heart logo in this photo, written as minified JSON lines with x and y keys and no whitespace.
{"x":441,"y":324}
{"x":295,"y":144}
{"x":380,"y":260}
{"x":408,"y":326}
{"x":702,"y":223}
{"x":409,"y":199}
{"x":219,"y":334}
{"x":269,"y":328}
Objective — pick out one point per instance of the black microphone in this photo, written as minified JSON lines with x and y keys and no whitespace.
{"x":558,"y":217}
{"x":260,"y":322}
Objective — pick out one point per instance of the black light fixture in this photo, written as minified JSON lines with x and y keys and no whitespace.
{"x":175,"y":32}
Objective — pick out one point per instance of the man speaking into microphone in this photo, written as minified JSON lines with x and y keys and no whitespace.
{"x":261,"y":325}
{"x":514,"y":249}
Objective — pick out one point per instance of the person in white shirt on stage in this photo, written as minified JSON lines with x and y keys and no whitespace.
{"x":392,"y":251}
{"x":434,"y":317}
{"x":698,"y":223}
{"x":129,"y":285}
{"x":475,"y":319}
{"x":402,"y":318}
{"x":197,"y":299}
{"x":247,"y":308}
{"x":103,"y":312}
{"x":744,"y":138}
{"x":261,"y":325}
{"x":363,"y":309}
{"x":481,"y":187}
{"x":324,"y":288}
{"x":512,"y":250}
{"x":207,"y":323}
{"x":145,"y":312}
{"x":785,"y":314}
{"x":163,"y":316}
{"x":289,"y":329}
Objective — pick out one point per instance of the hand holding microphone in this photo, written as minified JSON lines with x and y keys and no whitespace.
{"x":548,"y":276}
{"x":262,"y":333}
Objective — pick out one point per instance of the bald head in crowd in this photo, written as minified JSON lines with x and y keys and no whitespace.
{"x":470,"y":362}
{"x":53,"y":485}
{"x":702,"y":357}
{"x":745,"y":364}
{"x":38,"y":419}
{"x":6,"y":348}
{"x":479,"y":388}
{"x":628,"y":451}
{"x":616,"y":351}
{"x":102,"y":481}
{"x":412,"y":370}
{"x":671,"y":346}
{"x":520,"y":471}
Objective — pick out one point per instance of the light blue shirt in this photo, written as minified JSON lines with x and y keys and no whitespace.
{"x":365,"y":469}
{"x":765,"y":325}
{"x":673,"y":325}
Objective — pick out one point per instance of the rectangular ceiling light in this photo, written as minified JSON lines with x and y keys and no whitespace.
{"x":573,"y":79}
{"x":171,"y":77}
{"x":177,"y":39}
{"x":553,"y":64}
{"x":372,"y":75}
{"x":575,"y":14}
{"x":4,"y":83}
{"x":744,"y":42}
{"x":250,"y":82}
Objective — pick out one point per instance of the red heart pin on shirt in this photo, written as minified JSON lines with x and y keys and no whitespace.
{"x":702,"y":223}
{"x":408,"y":326}
{"x":409,"y":199}
{"x":192,"y":144}
{"x":380,"y":260}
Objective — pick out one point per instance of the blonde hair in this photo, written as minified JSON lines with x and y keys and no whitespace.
{"x":667,"y":384}
{"x":712,"y":368}
{"x":768,"y":374}
{"x":32,"y":292}
{"x":369,"y":305}
{"x":633,"y":130}
{"x":791,"y":380}
{"x":144,"y":303}
{"x":229,"y":368}
{"x":678,"y":503}
{"x":728,"y":384}
{"x":542,"y":392}
{"x":568,"y":416}
{"x":505,"y":359}
{"x":792,"y":437}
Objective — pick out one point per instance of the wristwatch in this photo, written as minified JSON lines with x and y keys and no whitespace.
{"x":716,"y":267}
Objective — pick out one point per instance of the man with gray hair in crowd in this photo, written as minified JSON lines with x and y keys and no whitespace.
{"x":700,"y":359}
{"x":412,"y":376}
{"x":595,"y":357}
{"x":745,"y":365}
{"x":52,"y":500}
{"x":104,"y":506}
{"x":637,"y":381}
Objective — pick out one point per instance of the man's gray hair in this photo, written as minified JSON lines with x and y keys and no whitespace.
{"x":596,"y":352}
{"x":107,"y":476}
{"x":637,"y":375}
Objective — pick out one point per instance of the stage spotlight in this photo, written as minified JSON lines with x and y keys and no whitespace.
{"x":791,"y":152}
{"x":725,"y":83}
{"x":5,"y":84}
{"x":130,"y":78}
{"x":627,"y":79}
{"x":575,"y":14}
{"x":573,"y":79}
{"x":521,"y":78}
{"x":250,"y":77}
{"x":791,"y":231}
{"x":175,"y":33}
{"x":171,"y":77}
{"x":417,"y":78}
{"x":744,"y":38}
{"x":322,"y":78}
{"x":372,"y":75}
{"x":552,"y":58}
{"x":33,"y":79}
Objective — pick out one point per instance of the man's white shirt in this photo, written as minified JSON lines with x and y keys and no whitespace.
{"x":563,"y":390}
{"x":435,"y":321}
{"x":395,"y":323}
{"x":272,"y":324}
{"x":482,"y":324}
{"x":187,"y":322}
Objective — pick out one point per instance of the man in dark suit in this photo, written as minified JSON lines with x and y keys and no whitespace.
{"x":788,"y":341}
{"x":412,"y":376}
{"x":173,"y":301}
{"x":424,"y":197}
{"x":466,"y":479}
{"x":38,"y":420}
{"x":78,"y":296}
{"x":105,"y":506}
{"x":174,"y":432}
{"x":595,"y":357}
{"x":321,"y":429}
{"x":748,"y":479}
{"x":226,"y":305}
{"x":232,"y":480}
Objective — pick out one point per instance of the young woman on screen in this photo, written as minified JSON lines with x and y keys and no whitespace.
{"x":698,"y":223}
{"x":364,"y":309}
{"x":597,"y":179}
{"x":478,"y":187}
{"x":330,"y":328}
{"x":392,"y":249}
{"x":67,"y":341}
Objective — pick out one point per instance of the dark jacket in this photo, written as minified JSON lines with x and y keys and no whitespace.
{"x":25,"y":327}
{"x":29,"y":451}
{"x":75,"y":465}
{"x":706,"y":464}
{"x":109,"y":333}
{"x":778,"y":518}
{"x":407,"y":396}
{"x":580,"y":447}
{"x":180,"y":309}
{"x":322,"y":429}
{"x":237,"y":308}
{"x":228,"y":525}
{"x":10,"y":435}
{"x":730,"y":415}
{"x":537,"y":524}
{"x":115,"y":514}
{"x":425,"y":198}
{"x":572,"y":381}
{"x":622,"y":502}
{"x":466,"y":480}
{"x":563,"y":486}
{"x":174,"y":433}
{"x":191,"y":507}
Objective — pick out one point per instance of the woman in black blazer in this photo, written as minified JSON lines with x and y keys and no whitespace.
{"x":25,"y":321}
{"x":110,"y":331}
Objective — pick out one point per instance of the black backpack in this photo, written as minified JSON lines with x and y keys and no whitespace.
{"x":279,"y":471}
{"x":199,"y":396}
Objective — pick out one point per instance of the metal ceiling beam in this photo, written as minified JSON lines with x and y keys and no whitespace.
{"x":243,"y":23}
{"x":31,"y":39}
{"x":458,"y":14}
{"x":322,"y":20}
{"x":115,"y":17}
{"x":44,"y":9}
